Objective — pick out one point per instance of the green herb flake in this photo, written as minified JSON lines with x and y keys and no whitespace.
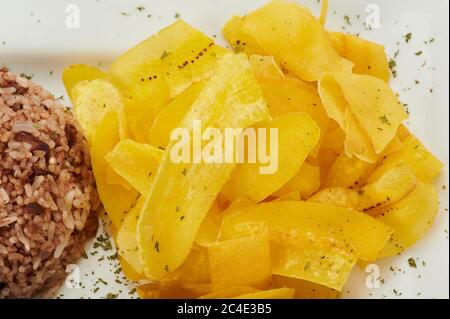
{"x":103,"y":242}
{"x":392,"y":64}
{"x":418,"y":53}
{"x":28,"y":77}
{"x":412,"y":263}
{"x":113,"y":256}
{"x":408,"y":37}
{"x":164,"y":55}
{"x":111,"y":296}
{"x":102,"y":281}
{"x":177,"y":15}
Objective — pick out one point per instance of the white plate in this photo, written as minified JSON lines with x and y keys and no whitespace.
{"x":34,"y":39}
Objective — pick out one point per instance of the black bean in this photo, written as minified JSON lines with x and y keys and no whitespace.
{"x":34,"y":208}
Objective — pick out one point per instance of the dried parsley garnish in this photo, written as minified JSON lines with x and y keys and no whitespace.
{"x":28,"y":77}
{"x":412,"y":263}
{"x":384,"y":119}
